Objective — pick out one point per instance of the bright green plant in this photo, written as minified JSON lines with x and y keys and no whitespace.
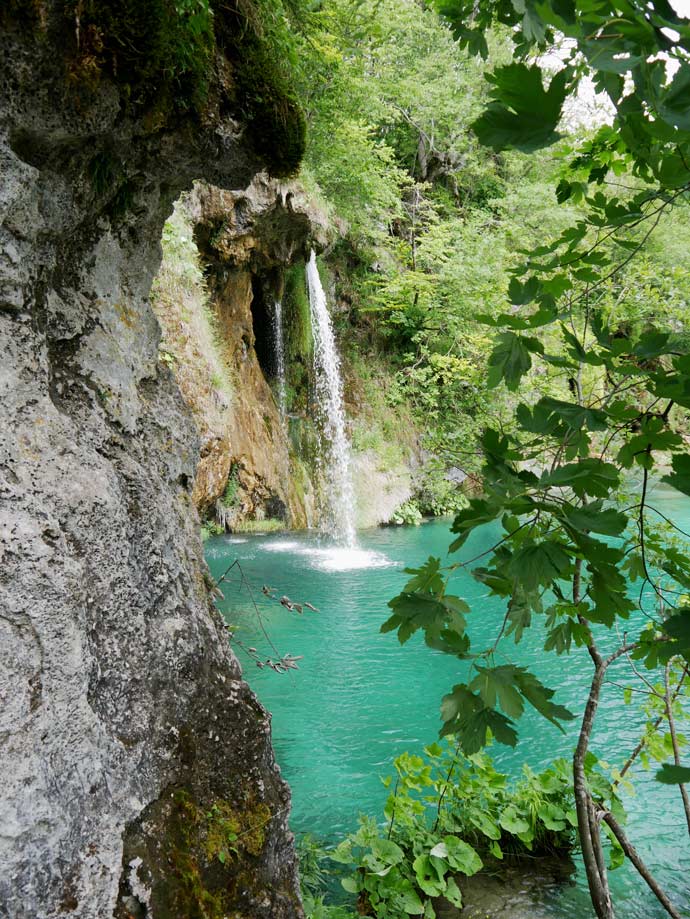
{"x":231,"y":495}
{"x":446,"y":815}
{"x":210,"y":528}
{"x":314,"y":876}
{"x":408,"y":514}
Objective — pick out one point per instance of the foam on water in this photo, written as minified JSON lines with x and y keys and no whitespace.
{"x":283,"y":545}
{"x":331,"y":557}
{"x":344,"y":558}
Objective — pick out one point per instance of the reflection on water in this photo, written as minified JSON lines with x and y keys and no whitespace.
{"x":359,"y":699}
{"x":330,"y":558}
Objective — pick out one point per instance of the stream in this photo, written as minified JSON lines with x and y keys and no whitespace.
{"x":359,"y":699}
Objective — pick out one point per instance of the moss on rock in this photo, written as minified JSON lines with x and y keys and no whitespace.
{"x":209,"y":849}
{"x":167,"y":57}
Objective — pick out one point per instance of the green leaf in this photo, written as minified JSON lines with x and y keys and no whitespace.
{"x":461,"y":856}
{"x":409,"y":901}
{"x":616,"y":853}
{"x":674,"y":104}
{"x":519,"y":616}
{"x":485,"y":824}
{"x":537,"y":564}
{"x":496,"y":851}
{"x":552,"y":816}
{"x":539,"y":696}
{"x":512,"y":821}
{"x":680,"y":477}
{"x":498,"y":683}
{"x":466,"y":716}
{"x":523,"y":293}
{"x":673,"y":775}
{"x":453,"y":893}
{"x":607,"y":590}
{"x":428,"y":876}
{"x":478,"y":512}
{"x":586,"y":477}
{"x":435,"y":615}
{"x":523,"y":114}
{"x":423,"y":604}
{"x":575,"y":416}
{"x":511,"y":359}
{"x":678,"y":627}
{"x":387,"y":852}
{"x":595,"y":518}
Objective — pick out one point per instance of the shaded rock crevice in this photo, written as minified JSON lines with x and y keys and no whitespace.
{"x":116,"y":680}
{"x":244,"y":241}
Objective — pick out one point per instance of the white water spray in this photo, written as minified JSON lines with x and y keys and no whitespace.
{"x":279,"y":344}
{"x":329,"y":395}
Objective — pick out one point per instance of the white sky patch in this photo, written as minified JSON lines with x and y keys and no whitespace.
{"x":681,"y":7}
{"x":588,"y":108}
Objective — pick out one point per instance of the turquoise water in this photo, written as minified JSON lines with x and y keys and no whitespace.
{"x":359,"y":699}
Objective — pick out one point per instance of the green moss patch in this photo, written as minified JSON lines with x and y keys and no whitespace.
{"x":203,"y":854}
{"x":163,"y":54}
{"x":153,"y":47}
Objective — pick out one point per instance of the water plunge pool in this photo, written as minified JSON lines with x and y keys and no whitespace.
{"x":359,"y":699}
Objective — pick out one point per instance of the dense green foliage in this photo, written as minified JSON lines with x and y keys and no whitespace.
{"x":571,"y":393}
{"x":446,"y":816}
{"x":434,"y":219}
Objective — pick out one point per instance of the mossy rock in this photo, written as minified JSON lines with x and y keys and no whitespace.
{"x":277,"y":126}
{"x":152,"y":47}
{"x":163,"y":55}
{"x":205,"y":851}
{"x":299,"y":341}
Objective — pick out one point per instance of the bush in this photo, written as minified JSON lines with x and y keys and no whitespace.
{"x":231,"y":497}
{"x":210,"y":528}
{"x":313,"y":879}
{"x":446,"y":816}
{"x":269,"y":525}
{"x":438,"y":496}
{"x":408,"y":514}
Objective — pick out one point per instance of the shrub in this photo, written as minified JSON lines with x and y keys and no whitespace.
{"x":446,"y":816}
{"x":408,"y":514}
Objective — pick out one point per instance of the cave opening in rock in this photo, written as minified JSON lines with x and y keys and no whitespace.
{"x":262,"y":308}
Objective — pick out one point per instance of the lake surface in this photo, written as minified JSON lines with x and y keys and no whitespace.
{"x":359,"y":698}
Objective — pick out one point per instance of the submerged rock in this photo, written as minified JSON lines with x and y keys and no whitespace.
{"x":138,"y":773}
{"x":523,"y":889}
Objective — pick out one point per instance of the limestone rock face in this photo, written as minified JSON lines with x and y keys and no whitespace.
{"x":246,"y":238}
{"x":379,"y":492}
{"x":129,"y":743}
{"x":268,"y":224}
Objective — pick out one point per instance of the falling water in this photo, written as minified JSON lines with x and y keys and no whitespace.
{"x":329,"y":395}
{"x":279,"y":344}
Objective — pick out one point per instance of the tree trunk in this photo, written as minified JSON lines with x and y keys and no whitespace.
{"x":422,"y":157}
{"x":643,"y":871}
{"x":668,"y":700}
{"x":588,"y":825}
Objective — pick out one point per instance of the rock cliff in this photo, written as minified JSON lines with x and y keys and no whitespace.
{"x":246,"y":240}
{"x":132,"y":752}
{"x":226,"y":254}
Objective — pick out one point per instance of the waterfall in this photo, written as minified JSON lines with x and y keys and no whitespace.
{"x":329,"y":396}
{"x":279,"y":344}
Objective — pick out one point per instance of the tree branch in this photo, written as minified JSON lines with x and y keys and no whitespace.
{"x":642,"y":869}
